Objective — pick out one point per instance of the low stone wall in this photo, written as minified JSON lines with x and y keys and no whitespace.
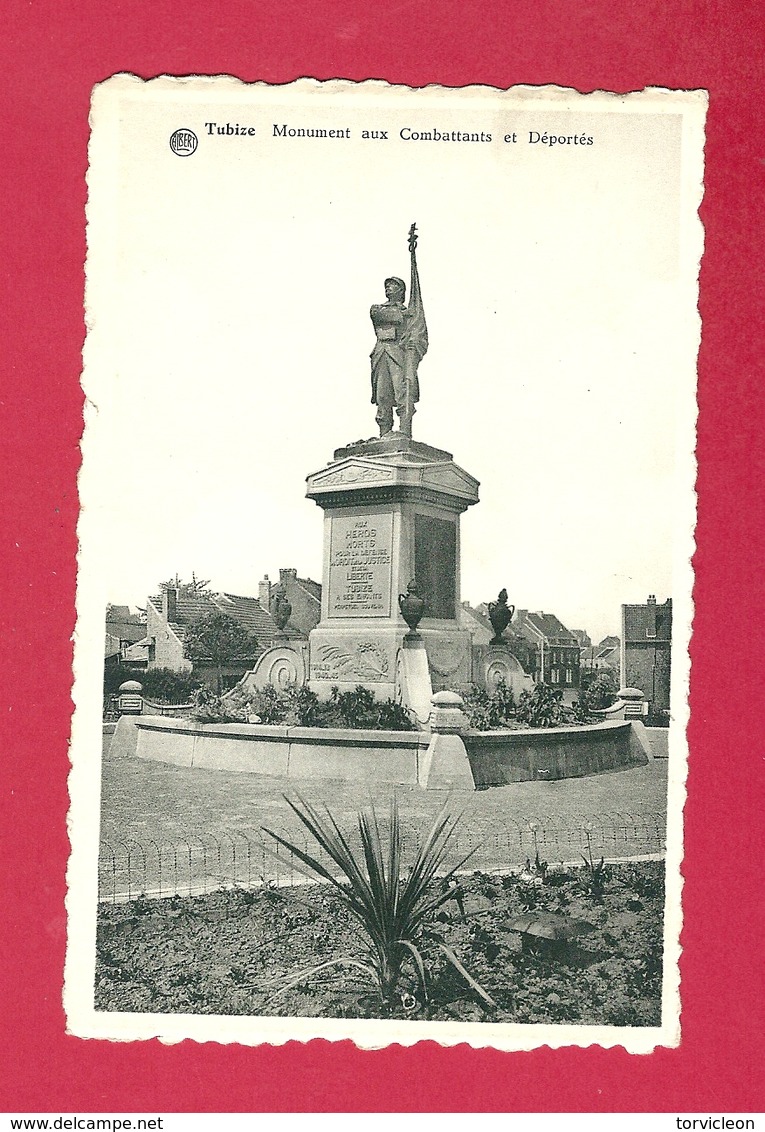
{"x":438,"y":761}
{"x":285,"y":752}
{"x":499,"y":757}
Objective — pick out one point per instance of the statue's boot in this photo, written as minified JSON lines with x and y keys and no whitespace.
{"x":405,"y":424}
{"x":385,"y":422}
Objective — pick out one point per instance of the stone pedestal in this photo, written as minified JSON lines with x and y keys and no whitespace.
{"x":414,"y":687}
{"x":392,"y":508}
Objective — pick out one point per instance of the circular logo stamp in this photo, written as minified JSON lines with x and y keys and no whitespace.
{"x":183,"y":142}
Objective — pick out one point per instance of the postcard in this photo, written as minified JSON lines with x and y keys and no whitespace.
{"x":385,"y":583}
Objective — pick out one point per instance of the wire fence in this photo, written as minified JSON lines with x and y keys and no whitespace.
{"x":204,"y":862}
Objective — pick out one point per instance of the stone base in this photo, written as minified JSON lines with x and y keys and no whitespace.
{"x":393,"y":444}
{"x":413,"y":684}
{"x":445,"y":765}
{"x":347,"y":655}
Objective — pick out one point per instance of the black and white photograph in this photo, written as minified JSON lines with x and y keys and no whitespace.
{"x":385,"y":564}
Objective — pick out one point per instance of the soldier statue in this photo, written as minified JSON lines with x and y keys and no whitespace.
{"x":402,"y":340}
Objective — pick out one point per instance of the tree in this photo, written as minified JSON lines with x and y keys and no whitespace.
{"x":187,"y":589}
{"x":598,"y":689}
{"x":216,"y":637}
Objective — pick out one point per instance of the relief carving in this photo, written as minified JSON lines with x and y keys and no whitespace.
{"x":356,"y":473}
{"x":365,"y":661}
{"x":446,"y":659}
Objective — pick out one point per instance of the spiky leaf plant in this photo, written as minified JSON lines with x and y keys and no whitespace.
{"x":393,"y":905}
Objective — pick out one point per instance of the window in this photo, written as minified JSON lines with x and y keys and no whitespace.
{"x":569,"y":676}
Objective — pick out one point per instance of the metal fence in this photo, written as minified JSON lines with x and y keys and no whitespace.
{"x":205,"y":862}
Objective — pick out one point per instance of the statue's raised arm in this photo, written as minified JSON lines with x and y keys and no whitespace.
{"x":402,"y":340}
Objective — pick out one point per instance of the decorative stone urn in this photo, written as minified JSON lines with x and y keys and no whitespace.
{"x":500,"y":615}
{"x":412,"y":607}
{"x":281,"y":610}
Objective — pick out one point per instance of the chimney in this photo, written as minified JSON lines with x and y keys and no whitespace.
{"x":288,"y":575}
{"x":170,"y":603}
{"x":264,"y":593}
{"x":652,"y":599}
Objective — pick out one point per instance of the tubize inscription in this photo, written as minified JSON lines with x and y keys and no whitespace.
{"x":360,"y":565}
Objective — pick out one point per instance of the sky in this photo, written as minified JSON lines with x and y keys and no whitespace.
{"x":228,"y":301}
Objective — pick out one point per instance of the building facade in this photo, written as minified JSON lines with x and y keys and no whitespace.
{"x":556,"y":649}
{"x":646,"y":651}
{"x":123,"y":630}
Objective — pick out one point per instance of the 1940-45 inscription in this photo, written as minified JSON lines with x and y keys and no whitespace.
{"x":360,"y":565}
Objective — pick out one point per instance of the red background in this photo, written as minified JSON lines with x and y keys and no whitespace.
{"x":54,"y":54}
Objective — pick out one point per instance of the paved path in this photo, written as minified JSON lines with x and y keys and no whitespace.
{"x":153,"y":805}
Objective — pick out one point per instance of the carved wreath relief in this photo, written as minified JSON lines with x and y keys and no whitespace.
{"x":364,"y":662}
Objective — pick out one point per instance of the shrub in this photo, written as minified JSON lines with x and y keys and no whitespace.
{"x":301,"y":707}
{"x":394,"y":906}
{"x":600,"y":691}
{"x":162,"y":685}
{"x":392,"y":716}
{"x":207,"y":706}
{"x":359,"y":709}
{"x":597,"y":692}
{"x":595,"y":874}
{"x":353,"y":708}
{"x":542,"y":707}
{"x":489,"y":711}
{"x":165,"y":686}
{"x":267,"y":704}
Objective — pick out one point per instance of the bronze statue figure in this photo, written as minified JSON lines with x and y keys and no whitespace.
{"x":402,"y":340}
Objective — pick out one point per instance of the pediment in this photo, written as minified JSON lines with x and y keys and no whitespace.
{"x":350,"y":473}
{"x":450,"y":479}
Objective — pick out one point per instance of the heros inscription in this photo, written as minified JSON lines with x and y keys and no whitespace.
{"x":360,"y":566}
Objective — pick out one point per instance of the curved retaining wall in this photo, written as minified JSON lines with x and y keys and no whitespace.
{"x":499,"y":757}
{"x":492,"y":758}
{"x":285,"y":752}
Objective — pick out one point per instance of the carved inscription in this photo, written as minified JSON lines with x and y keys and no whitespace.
{"x":360,"y":566}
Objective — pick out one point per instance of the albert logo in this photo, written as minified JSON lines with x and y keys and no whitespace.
{"x":183,"y":142}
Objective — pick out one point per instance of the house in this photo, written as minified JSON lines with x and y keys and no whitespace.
{"x":169,"y":614}
{"x":123,"y":630}
{"x":605,"y":655}
{"x":556,"y":649}
{"x":646,"y":650}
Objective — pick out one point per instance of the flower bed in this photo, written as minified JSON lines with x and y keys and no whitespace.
{"x":230,"y":952}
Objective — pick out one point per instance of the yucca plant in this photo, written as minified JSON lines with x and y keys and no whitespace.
{"x":393,"y":906}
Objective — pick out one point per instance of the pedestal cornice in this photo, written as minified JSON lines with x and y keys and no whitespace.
{"x":392,"y":470}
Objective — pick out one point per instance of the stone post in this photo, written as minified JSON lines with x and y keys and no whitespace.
{"x":635,"y":706}
{"x":131,"y":698}
{"x":445,"y":764}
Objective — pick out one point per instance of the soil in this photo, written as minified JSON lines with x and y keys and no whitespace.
{"x":235,"y":952}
